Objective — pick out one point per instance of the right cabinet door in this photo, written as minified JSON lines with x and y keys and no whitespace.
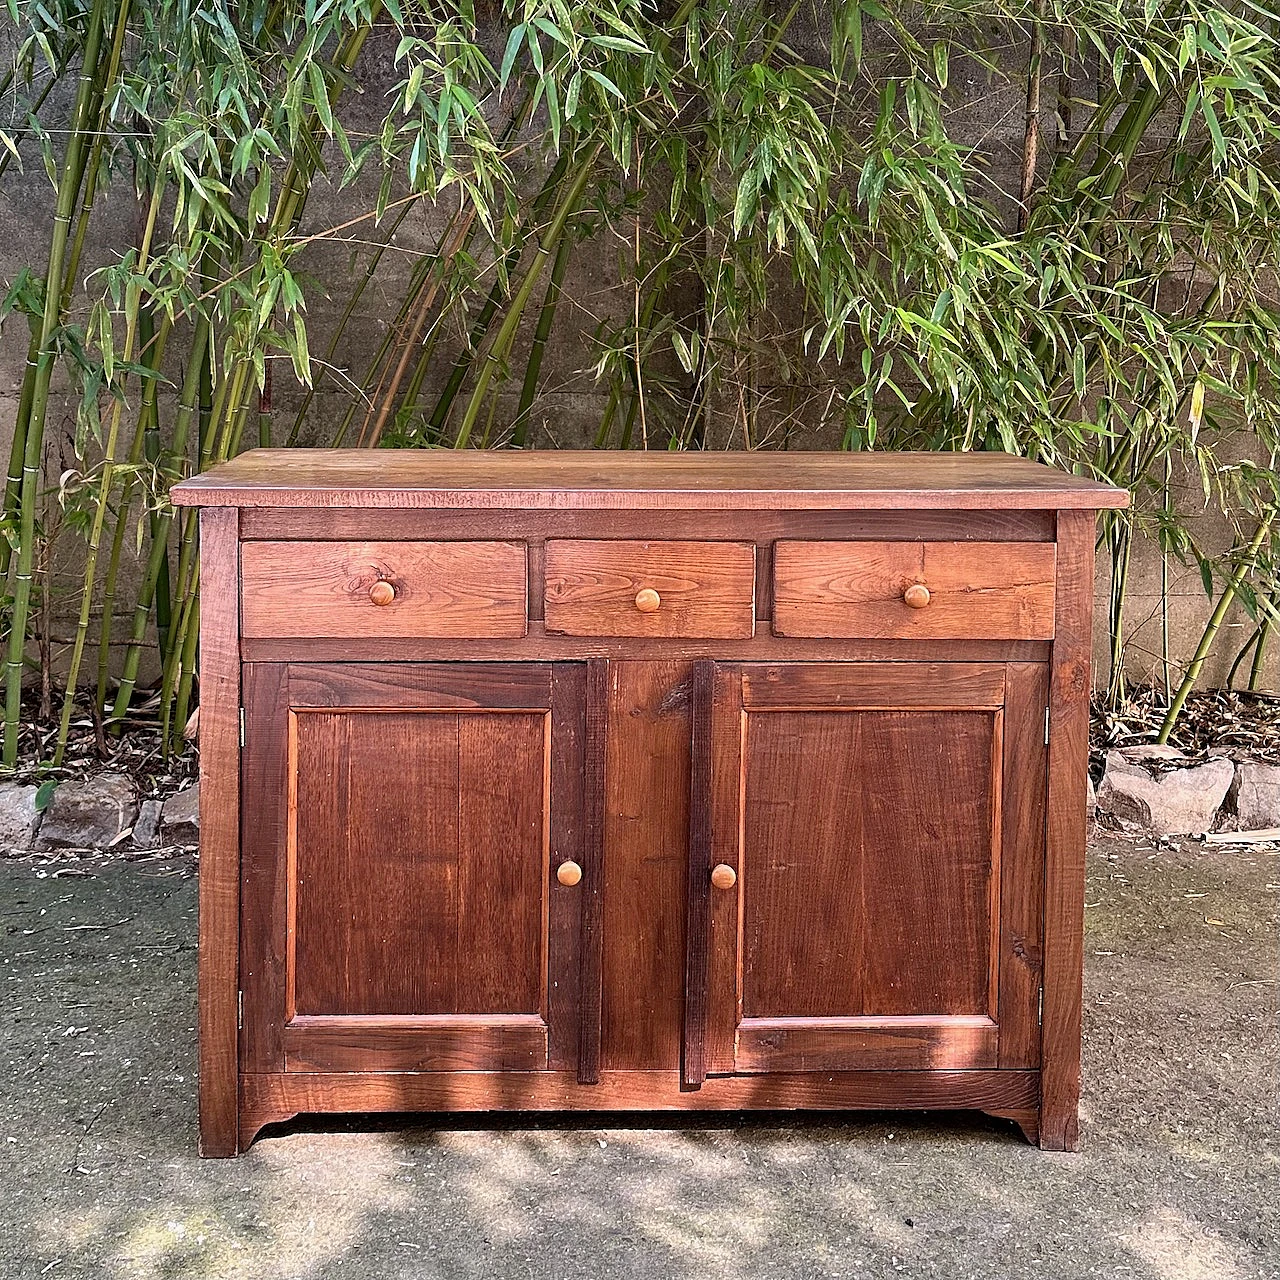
{"x":884,"y":827}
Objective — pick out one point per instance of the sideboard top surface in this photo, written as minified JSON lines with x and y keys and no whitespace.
{"x":618,"y":480}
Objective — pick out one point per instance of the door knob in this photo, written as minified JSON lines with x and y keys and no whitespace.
{"x":568,"y":873}
{"x":916,"y":596}
{"x":723,"y":876}
{"x":382,"y":592}
{"x":648,"y":600}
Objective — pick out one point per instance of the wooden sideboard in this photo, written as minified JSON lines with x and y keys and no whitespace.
{"x":558,"y":781}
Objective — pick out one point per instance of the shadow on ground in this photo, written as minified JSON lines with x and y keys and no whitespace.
{"x":1179,"y":1178}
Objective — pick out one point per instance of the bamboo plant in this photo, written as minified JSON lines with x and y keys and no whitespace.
{"x":792,"y":227}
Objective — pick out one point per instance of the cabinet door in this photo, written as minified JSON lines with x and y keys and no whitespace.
{"x":403,"y":828}
{"x":884,"y":827}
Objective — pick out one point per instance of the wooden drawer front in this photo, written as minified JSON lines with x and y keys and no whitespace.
{"x":976,"y":590}
{"x":703,"y":589}
{"x":322,"y":589}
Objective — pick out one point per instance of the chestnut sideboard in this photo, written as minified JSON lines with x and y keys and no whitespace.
{"x":557,"y":781}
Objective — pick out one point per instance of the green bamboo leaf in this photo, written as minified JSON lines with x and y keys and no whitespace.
{"x":515,"y":41}
{"x":606,"y":84}
{"x":1215,"y":132}
{"x":413,"y":86}
{"x":320,"y":96}
{"x":747,"y":203}
{"x":620,"y":45}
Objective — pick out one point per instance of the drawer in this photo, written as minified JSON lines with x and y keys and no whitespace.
{"x":377,"y":590}
{"x":914,"y":590}
{"x":674,"y":589}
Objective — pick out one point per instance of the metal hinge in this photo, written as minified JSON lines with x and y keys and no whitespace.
{"x":1040,"y":1009}
{"x":240,"y":1010}
{"x":1046,"y":729}
{"x":242,"y":727}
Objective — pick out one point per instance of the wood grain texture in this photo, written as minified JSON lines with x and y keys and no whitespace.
{"x":866,"y":1044}
{"x":608,"y":588}
{"x":1069,"y":687}
{"x":440,"y":589}
{"x":567,"y":840}
{"x":219,"y":907}
{"x":420,"y":869}
{"x":693,"y":1055}
{"x":811,"y":686}
{"x":762,"y":527}
{"x":984,"y":590}
{"x":868,"y":844}
{"x":724,"y":960}
{"x":268,"y":793}
{"x":868,"y":850}
{"x":538,"y":646}
{"x":269,"y":1098}
{"x":1025,"y":771}
{"x":411,"y":686}
{"x":594,"y":887}
{"x":421,"y":862}
{"x":502,"y":1043}
{"x":646,"y":835}
{"x":563,"y":479}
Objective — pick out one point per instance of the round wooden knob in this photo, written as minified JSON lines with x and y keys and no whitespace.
{"x":723,"y":876}
{"x":382,"y":593}
{"x":916,"y":596}
{"x":648,"y":600}
{"x":569,"y":873}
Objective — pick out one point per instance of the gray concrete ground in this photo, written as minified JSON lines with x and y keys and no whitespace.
{"x":1179,"y":1178}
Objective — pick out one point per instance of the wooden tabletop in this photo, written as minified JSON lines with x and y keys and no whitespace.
{"x":618,"y":480}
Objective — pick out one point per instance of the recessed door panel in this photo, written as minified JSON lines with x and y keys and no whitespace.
{"x":860,"y":818}
{"x":404,"y":833}
{"x":868,"y":853}
{"x":419,"y":862}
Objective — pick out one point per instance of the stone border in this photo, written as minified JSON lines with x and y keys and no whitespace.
{"x":1158,"y":791}
{"x":102,"y":812}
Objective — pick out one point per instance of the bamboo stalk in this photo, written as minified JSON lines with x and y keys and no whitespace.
{"x":197,"y":364}
{"x":484,"y":317}
{"x":68,"y":189}
{"x":154,"y":345}
{"x":1255,"y":669}
{"x":533,"y":366}
{"x":133,"y":307}
{"x":1031,"y":139}
{"x":1216,"y":618}
{"x":13,"y":479}
{"x":511,"y":321}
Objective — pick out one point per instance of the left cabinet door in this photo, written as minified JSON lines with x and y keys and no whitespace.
{"x":402,"y":829}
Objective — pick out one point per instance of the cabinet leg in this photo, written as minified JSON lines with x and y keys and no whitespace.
{"x":1060,"y":1129}
{"x":218,"y":1138}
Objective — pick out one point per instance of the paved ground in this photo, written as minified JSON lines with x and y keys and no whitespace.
{"x":1179,"y":1178}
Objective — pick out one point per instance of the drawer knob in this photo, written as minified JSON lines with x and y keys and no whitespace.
{"x":916,"y":596}
{"x":648,"y":600}
{"x":382,"y":593}
{"x":723,"y":876}
{"x":569,"y":873}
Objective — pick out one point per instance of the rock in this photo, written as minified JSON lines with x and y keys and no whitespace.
{"x":180,"y":818}
{"x":146,"y":830}
{"x":1255,"y":796}
{"x":88,"y":815}
{"x":1147,"y":790}
{"x":18,"y":817}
